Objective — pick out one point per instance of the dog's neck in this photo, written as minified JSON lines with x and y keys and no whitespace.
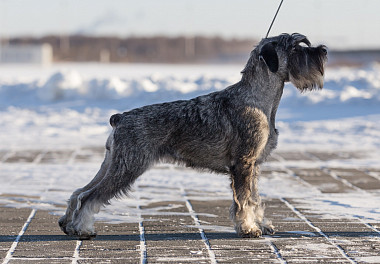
{"x":265,"y":91}
{"x":260,"y":88}
{"x":267,"y":99}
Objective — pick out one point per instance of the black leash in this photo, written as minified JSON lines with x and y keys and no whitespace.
{"x":270,"y":27}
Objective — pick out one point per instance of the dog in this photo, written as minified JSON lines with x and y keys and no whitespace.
{"x":231,"y":132}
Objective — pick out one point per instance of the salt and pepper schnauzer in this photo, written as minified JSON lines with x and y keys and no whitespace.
{"x":230,"y":131}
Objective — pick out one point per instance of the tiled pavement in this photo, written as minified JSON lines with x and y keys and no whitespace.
{"x":193,"y":231}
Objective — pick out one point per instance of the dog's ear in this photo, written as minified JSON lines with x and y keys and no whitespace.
{"x":268,"y":55}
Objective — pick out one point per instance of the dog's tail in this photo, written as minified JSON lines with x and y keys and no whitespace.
{"x":115,"y":119}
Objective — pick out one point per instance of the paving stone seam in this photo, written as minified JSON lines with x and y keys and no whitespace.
{"x":277,"y":252}
{"x":76,"y":257}
{"x":312,"y":156}
{"x":39,"y":157}
{"x":369,"y":226}
{"x":6,"y":156}
{"x":12,"y":249}
{"x":361,"y":190}
{"x":372,"y":174}
{"x":198,"y":224}
{"x":143,"y":248}
{"x":309,"y":223}
{"x":290,"y":172}
{"x":333,"y":175}
{"x":143,"y":253}
{"x":344,"y":181}
{"x":72,"y":157}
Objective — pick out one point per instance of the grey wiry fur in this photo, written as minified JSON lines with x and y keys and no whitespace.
{"x":231,"y":131}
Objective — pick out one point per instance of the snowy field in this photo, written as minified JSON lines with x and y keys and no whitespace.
{"x":67,"y":106}
{"x":70,"y":104}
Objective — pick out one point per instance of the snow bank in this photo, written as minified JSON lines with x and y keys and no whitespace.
{"x":72,"y":106}
{"x":344,"y":87}
{"x":22,"y":128}
{"x":354,"y":133}
{"x":70,"y":86}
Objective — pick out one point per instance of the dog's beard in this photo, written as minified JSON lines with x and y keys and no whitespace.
{"x":307,"y":84}
{"x":306,"y":68}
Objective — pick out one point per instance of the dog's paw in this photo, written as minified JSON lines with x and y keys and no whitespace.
{"x":62,"y":222}
{"x":80,"y":234}
{"x":86,"y":235}
{"x":248,"y":231}
{"x":254,"y":233}
{"x":268,"y":229}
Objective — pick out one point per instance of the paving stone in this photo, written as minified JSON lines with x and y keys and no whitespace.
{"x":107,"y":261}
{"x":294,"y":156}
{"x":358,"y":178}
{"x":323,"y":181}
{"x":11,"y":222}
{"x":39,"y":260}
{"x":110,"y":249}
{"x":171,"y":235}
{"x":3,"y":154}
{"x":325,"y":156}
{"x":45,"y":246}
{"x":90,"y":154}
{"x":309,"y":247}
{"x":57,"y":157}
{"x":23,"y":156}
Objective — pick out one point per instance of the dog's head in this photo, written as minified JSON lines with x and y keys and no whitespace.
{"x":290,"y":58}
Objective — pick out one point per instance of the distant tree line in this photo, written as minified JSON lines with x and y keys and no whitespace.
{"x":157,"y":49}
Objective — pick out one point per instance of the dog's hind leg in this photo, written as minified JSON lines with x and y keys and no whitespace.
{"x":72,"y":202}
{"x":120,"y":175}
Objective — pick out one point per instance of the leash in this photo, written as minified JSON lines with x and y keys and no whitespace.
{"x":270,"y":27}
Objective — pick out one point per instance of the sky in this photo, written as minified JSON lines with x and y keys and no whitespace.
{"x":340,"y":24}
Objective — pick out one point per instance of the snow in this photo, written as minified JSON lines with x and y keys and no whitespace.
{"x":67,"y":106}
{"x":71,"y":103}
{"x":347,"y":91}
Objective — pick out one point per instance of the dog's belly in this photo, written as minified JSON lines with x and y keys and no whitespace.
{"x":200,"y":155}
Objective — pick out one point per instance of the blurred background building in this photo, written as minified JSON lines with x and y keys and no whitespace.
{"x":41,"y":53}
{"x":155,"y":49}
{"x":180,"y":31}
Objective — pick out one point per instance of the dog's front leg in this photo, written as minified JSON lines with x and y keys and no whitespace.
{"x":246,"y":203}
{"x":265,"y":225}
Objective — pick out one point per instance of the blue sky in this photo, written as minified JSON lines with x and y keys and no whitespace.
{"x":337,"y":23}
